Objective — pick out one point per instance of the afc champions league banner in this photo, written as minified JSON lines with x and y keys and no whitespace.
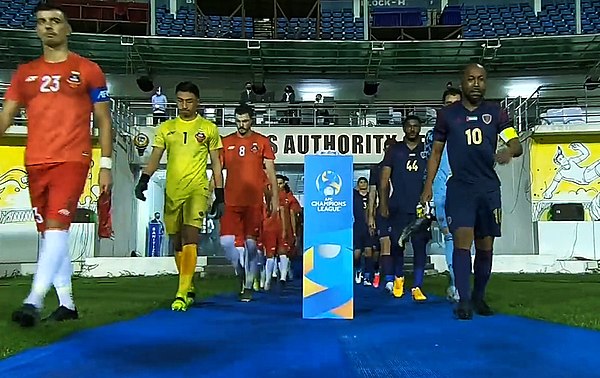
{"x":327,"y":287}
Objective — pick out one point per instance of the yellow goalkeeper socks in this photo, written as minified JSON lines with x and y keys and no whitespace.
{"x":188,"y":260}
{"x":178,"y":261}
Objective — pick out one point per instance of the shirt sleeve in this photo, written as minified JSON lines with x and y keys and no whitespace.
{"x":294,"y":204}
{"x":268,"y":153}
{"x":159,"y":137}
{"x":15,"y":91}
{"x":214,"y":139}
{"x":505,"y":130}
{"x":97,"y":84}
{"x":388,"y":160}
{"x":440,"y":130}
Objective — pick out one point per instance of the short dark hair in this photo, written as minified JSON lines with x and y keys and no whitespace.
{"x":50,"y":7}
{"x":411,"y":117}
{"x":362,"y":178}
{"x":188,"y":86}
{"x":451,"y":91}
{"x":244,"y":109}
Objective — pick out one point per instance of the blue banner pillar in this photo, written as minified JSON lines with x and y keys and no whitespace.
{"x":155,"y":236}
{"x":327,"y":286}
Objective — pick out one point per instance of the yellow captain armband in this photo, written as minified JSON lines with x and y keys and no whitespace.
{"x":508,"y":134}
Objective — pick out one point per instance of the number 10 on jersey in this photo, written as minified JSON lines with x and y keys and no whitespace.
{"x":474,"y":136}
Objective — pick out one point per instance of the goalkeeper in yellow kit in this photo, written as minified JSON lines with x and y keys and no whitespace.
{"x":188,"y":139}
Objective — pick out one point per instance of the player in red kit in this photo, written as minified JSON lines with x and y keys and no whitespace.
{"x":290,"y":208}
{"x":245,"y":152}
{"x":273,"y":236}
{"x":59,"y":91}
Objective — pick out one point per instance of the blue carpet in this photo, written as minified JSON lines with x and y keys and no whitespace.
{"x":267,"y":338}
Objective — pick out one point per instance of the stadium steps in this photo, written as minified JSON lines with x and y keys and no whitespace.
{"x":220,"y":266}
{"x":217,"y":266}
{"x":263,"y":28}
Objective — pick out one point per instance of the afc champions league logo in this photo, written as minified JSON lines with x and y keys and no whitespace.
{"x":328,"y":184}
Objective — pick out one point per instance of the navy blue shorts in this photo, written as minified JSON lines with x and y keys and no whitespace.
{"x":480,"y":210}
{"x":362,"y":238}
{"x":375,"y":242}
{"x":383,"y":225}
{"x":399,"y":222}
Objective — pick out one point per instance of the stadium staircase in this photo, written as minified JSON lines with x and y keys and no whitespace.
{"x":263,"y":28}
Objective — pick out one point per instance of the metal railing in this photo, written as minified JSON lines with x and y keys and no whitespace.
{"x":301,"y":114}
{"x":556,"y":104}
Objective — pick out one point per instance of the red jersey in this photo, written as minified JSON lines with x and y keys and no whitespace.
{"x":288,"y":203}
{"x":59,"y":99}
{"x":243,"y":158}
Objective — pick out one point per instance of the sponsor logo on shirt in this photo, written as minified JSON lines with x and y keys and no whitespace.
{"x":31,"y":78}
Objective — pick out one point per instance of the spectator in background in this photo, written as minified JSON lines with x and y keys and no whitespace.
{"x":320,"y":111}
{"x":159,"y":107}
{"x":289,"y":96}
{"x":247,"y":96}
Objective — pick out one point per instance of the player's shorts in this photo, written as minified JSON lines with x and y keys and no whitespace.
{"x":55,"y":190}
{"x":361,"y":236}
{"x":439,"y":201}
{"x":187,"y":210}
{"x":242,"y":222}
{"x":480,"y":210}
{"x":271,"y":238}
{"x":383,"y":225}
{"x":399,"y":221}
{"x":375,"y":244}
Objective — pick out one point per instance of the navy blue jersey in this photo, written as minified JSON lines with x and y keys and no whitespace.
{"x":359,"y":206}
{"x":472,"y":138}
{"x":408,"y":168}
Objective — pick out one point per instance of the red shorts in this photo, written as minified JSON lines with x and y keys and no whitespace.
{"x":242,"y":222}
{"x":271,"y":238}
{"x":55,"y":190}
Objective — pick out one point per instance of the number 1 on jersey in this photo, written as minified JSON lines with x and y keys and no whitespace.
{"x":474,"y":136}
{"x":185,"y":137}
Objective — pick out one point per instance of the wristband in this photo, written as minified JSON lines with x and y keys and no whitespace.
{"x":219,"y":195}
{"x":144,"y":178}
{"x":105,"y":162}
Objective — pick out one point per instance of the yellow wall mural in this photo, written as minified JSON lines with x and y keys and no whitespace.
{"x":15,"y":205}
{"x":565,"y":173}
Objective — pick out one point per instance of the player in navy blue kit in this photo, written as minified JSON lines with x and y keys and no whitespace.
{"x":470,"y":129}
{"x":362,"y":238}
{"x":404,"y":165}
{"x":378,"y":227}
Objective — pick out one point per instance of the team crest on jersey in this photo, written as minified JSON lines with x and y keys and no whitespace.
{"x":423,"y":154}
{"x":200,"y":137}
{"x":254,"y":147}
{"x":74,"y":79}
{"x":486,"y":118}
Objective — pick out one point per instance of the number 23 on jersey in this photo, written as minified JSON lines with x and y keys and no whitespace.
{"x":50,"y":84}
